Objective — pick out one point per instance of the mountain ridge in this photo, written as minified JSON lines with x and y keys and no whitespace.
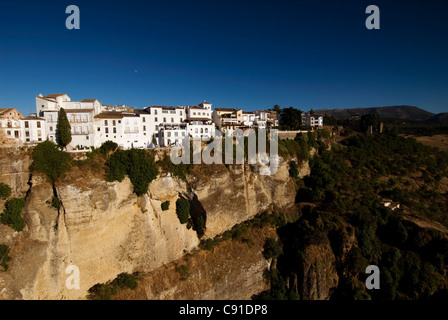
{"x":403,"y":112}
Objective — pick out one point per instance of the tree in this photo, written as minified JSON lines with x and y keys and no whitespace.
{"x":291,"y":118}
{"x":5,"y":191}
{"x":51,"y":161}
{"x":107,"y":147}
{"x":272,"y":248}
{"x":11,"y":214}
{"x":183,"y":210}
{"x":370,"y":120}
{"x":63,"y":133}
{"x":277,"y":109}
{"x":135,"y":163}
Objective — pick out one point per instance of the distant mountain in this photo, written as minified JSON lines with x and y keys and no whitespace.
{"x":392,"y":112}
{"x":440,"y":118}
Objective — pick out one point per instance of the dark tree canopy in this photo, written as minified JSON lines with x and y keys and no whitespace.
{"x":370,"y":119}
{"x":51,"y":161}
{"x":291,"y":118}
{"x":63,"y":133}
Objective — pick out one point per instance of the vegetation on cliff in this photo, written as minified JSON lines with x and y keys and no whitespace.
{"x":137,"y":164}
{"x":49,"y":160}
{"x":347,"y":191}
{"x":11,"y":214}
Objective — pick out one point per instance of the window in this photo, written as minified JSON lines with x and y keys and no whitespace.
{"x":206,"y":130}
{"x":155,"y":119}
{"x":164,"y":119}
{"x":27,"y":139}
{"x":27,"y":133}
{"x":119,"y":121}
{"x":98,"y":129}
{"x":87,"y":137}
{"x":26,"y":124}
{"x":172,"y":120}
{"x":105,"y":122}
{"x":107,"y":130}
{"x":39,"y":139}
{"x":51,"y":128}
{"x":168,"y":134}
{"x":194,"y":113}
{"x":39,"y":133}
{"x":175,"y":134}
{"x":196,"y":130}
{"x":114,"y":130}
{"x":114,"y":123}
{"x":144,"y":119}
{"x":38,"y":124}
{"x":155,"y":112}
{"x":183,"y":134}
{"x":8,"y":133}
{"x":144,"y":128}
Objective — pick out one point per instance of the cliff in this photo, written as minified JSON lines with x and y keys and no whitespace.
{"x":105,"y":229}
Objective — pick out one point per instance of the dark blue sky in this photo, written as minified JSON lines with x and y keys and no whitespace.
{"x":249,"y":54}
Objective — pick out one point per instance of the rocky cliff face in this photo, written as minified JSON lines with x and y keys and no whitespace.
{"x":319,"y":272}
{"x":105,"y":229}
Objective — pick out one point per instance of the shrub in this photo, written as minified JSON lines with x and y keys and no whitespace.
{"x":183,"y":210}
{"x":135,"y":163}
{"x":4,"y":256}
{"x":107,"y":147}
{"x":293,"y":169}
{"x":165,"y":205}
{"x":5,"y":191}
{"x":11,"y":214}
{"x":55,"y":203}
{"x":272,"y":248}
{"x":105,"y":291}
{"x":49,"y":160}
{"x":184,"y":271}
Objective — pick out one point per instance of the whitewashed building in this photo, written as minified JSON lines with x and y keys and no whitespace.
{"x":312,"y":120}
{"x":10,"y":124}
{"x":32,"y":129}
{"x":199,"y":120}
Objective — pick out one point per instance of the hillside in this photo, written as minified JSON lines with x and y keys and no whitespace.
{"x":390,"y":112}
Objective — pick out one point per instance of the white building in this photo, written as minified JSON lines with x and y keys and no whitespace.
{"x":172,"y":134}
{"x":121,"y":127}
{"x":199,"y":120}
{"x":32,"y":129}
{"x":10,"y":124}
{"x":80,"y":115}
{"x":312,"y":121}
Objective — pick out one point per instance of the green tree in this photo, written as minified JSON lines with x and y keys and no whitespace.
{"x":107,"y":147}
{"x":293,"y":169}
{"x":63,"y":129}
{"x":291,"y":118}
{"x":277,"y":109}
{"x":183,"y":210}
{"x":370,"y":119}
{"x":11,"y":214}
{"x":51,"y":161}
{"x":165,"y":205}
{"x":5,"y":191}
{"x":272,"y":248}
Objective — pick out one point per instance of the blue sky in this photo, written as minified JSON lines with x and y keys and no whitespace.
{"x":249,"y":54}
